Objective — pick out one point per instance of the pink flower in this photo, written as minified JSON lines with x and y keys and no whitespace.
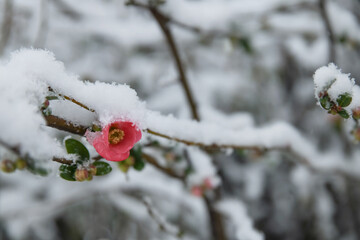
{"x":208,"y":183}
{"x":115,"y":140}
{"x":196,"y":191}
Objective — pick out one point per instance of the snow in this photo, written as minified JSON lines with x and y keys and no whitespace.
{"x":239,"y":98}
{"x":308,"y":54}
{"x":237,"y":213}
{"x":323,"y":77}
{"x":343,"y":21}
{"x":343,"y":84}
{"x":31,"y":71}
{"x":21,"y":96}
{"x":329,"y":78}
{"x":24,"y":85}
{"x":66,"y":109}
{"x":203,"y":168}
{"x":355,"y":103}
{"x":275,"y":135}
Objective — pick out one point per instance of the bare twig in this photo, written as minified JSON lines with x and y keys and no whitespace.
{"x":16,"y":151}
{"x":67,"y":10}
{"x":62,"y":160}
{"x":6,"y":25}
{"x":42,"y":30}
{"x":62,"y":124}
{"x":72,"y":100}
{"x":329,"y":30}
{"x":193,"y":29}
{"x":160,"y":220}
{"x":167,"y":171}
{"x":163,"y":21}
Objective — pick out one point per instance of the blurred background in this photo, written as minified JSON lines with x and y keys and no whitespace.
{"x":248,"y":63}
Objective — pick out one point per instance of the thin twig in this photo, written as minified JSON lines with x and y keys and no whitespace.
{"x":62,"y":124}
{"x":329,"y":30}
{"x":72,"y":100}
{"x":43,"y":26}
{"x":167,"y":171}
{"x":160,"y":220}
{"x":163,"y":21}
{"x":6,"y":25}
{"x":62,"y":160}
{"x":67,"y":10}
{"x":16,"y":151}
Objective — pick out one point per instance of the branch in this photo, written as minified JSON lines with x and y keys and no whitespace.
{"x":62,"y":124}
{"x":329,"y":30}
{"x":72,"y":100}
{"x":43,"y":27}
{"x":6,"y":25}
{"x":63,"y":161}
{"x":16,"y":151}
{"x":67,"y":10}
{"x":193,"y":29}
{"x":163,"y":21}
{"x":160,"y":220}
{"x":167,"y":171}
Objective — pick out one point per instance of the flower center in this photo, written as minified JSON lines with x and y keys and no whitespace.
{"x":115,"y":135}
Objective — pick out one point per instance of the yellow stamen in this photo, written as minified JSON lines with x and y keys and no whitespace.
{"x":116,"y":135}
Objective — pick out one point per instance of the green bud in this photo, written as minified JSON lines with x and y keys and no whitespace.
{"x":7,"y":166}
{"x":20,"y":163}
{"x":81,"y":175}
{"x":356,"y":113}
{"x":123,"y":167}
{"x":92,"y":170}
{"x":90,"y":177}
{"x":130,"y":161}
{"x":356,"y":134}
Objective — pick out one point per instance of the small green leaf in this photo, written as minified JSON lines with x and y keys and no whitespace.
{"x":246,"y":45}
{"x":325,"y":102}
{"x":102,"y":168}
{"x":344,"y":100}
{"x":67,"y":168}
{"x":33,"y":168}
{"x":96,"y":128}
{"x":139,"y":164}
{"x":67,"y":172}
{"x":67,"y":176}
{"x":52,"y":98}
{"x":343,"y":114}
{"x":188,"y":171}
{"x":342,"y":39}
{"x":75,"y":147}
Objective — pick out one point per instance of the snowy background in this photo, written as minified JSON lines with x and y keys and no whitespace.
{"x":278,"y":166}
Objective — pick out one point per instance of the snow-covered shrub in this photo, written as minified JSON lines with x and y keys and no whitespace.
{"x":179,"y":119}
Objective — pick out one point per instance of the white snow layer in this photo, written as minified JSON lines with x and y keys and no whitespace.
{"x":24,"y":83}
{"x":236,"y":212}
{"x":329,"y":78}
